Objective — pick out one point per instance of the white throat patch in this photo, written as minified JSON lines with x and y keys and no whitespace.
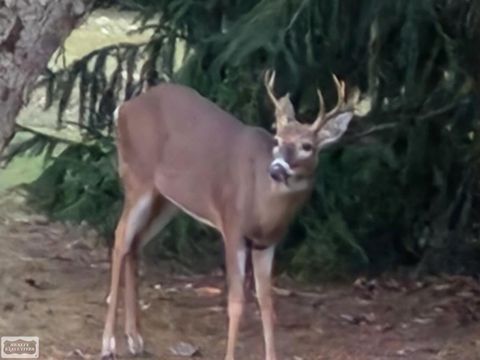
{"x":293,"y":186}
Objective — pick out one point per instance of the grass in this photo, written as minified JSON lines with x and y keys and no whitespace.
{"x":22,"y":169}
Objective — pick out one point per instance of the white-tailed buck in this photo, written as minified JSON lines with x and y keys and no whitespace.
{"x":179,"y":151}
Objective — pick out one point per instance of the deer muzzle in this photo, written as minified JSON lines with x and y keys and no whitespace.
{"x":280,"y":170}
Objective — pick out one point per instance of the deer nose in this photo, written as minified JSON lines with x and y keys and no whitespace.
{"x":278,"y":173}
{"x":280,"y":170}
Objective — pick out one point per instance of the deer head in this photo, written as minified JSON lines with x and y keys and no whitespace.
{"x":296,"y":144}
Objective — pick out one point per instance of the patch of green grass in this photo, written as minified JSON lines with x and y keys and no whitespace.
{"x":22,"y":169}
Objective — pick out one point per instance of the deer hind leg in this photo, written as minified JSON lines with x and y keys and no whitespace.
{"x":235,"y":260}
{"x":262,"y":266}
{"x":161,"y":213}
{"x":134,"y":217}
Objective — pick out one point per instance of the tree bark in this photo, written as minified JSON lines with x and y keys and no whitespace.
{"x":30,"y":32}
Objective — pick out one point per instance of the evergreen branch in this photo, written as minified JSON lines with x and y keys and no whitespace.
{"x":91,"y":130}
{"x":372,"y":130}
{"x":437,"y":112}
{"x":47,"y":136}
{"x":17,"y":149}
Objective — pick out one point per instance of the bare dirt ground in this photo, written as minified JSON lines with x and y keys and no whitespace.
{"x":53,"y":282}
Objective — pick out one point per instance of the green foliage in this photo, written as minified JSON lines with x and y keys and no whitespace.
{"x":400,"y":190}
{"x":81,"y":185}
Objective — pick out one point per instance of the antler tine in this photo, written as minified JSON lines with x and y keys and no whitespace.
{"x":321,"y":110}
{"x":340,"y":85}
{"x":321,"y":118}
{"x":269,"y":80}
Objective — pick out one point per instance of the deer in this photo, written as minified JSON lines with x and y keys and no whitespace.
{"x":179,"y":152}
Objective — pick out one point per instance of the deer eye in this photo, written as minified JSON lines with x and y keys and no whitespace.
{"x":307,"y":147}
{"x":275,"y":142}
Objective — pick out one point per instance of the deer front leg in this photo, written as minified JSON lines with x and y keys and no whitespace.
{"x":134,"y":339}
{"x":118,"y":255}
{"x":235,"y":259}
{"x":262,"y":266}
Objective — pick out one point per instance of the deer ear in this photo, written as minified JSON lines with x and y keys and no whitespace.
{"x":284,"y":112}
{"x":333,"y":129}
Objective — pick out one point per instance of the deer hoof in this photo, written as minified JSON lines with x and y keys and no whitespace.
{"x":108,"y":349}
{"x":108,"y":357}
{"x":135,"y":344}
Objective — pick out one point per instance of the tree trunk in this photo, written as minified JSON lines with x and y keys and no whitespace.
{"x":30,"y":32}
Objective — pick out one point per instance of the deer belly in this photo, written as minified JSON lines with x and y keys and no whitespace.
{"x":188,"y":195}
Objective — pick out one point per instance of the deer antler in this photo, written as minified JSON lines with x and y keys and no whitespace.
{"x":323,"y":118}
{"x":269,"y":80}
{"x":284,"y":111}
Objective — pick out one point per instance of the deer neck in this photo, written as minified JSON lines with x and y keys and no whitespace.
{"x":275,"y":204}
{"x":287,"y":199}
{"x":295,"y":187}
